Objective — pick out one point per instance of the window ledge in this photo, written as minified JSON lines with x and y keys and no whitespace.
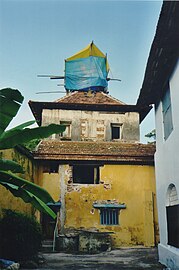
{"x":65,"y":138}
{"x":110,"y":205}
{"x":56,"y":204}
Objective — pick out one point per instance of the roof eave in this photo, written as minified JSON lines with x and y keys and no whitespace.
{"x":163,"y":55}
{"x":142,"y":160}
{"x":37,"y":107}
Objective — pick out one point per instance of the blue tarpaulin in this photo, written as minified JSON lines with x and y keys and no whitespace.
{"x":85,"y":73}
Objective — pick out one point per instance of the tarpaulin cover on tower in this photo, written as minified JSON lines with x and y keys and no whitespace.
{"x":87,"y":69}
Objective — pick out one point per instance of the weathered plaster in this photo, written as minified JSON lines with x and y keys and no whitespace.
{"x":94,"y":125}
{"x":129,"y":184}
{"x":7,"y":200}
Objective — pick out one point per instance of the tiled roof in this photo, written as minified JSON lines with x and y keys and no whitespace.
{"x":163,"y":55}
{"x":80,"y":97}
{"x":85,"y":101}
{"x":95,"y":151}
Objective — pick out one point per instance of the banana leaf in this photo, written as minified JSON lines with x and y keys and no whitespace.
{"x":16,"y":136}
{"x":10,"y":102}
{"x":9,"y":165}
{"x":26,"y":124}
{"x":10,"y":178}
{"x":28,"y":197}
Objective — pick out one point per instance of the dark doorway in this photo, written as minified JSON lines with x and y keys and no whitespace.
{"x":173,"y":225}
{"x":48,"y":223}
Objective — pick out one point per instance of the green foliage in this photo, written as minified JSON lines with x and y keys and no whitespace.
{"x":21,"y":236}
{"x":9,"y":165}
{"x":31,"y":145}
{"x":10,"y":102}
{"x":151,"y":135}
{"x":16,"y":136}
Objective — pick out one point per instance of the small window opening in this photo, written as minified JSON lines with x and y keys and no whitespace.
{"x":167,"y":113}
{"x":115,"y":131}
{"x":51,"y":168}
{"x":66,"y":134}
{"x":86,"y":174}
{"x":109,"y":216}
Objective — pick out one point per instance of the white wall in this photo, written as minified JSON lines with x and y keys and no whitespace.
{"x":167,"y":169}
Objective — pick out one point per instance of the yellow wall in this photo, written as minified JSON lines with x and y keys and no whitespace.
{"x":7,"y":200}
{"x":51,"y":183}
{"x":133,"y":185}
{"x":130,"y":184}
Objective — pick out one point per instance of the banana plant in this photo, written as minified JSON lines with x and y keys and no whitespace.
{"x":10,"y":102}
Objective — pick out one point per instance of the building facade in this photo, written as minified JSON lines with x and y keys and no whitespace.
{"x":98,"y":170}
{"x":160,"y":87}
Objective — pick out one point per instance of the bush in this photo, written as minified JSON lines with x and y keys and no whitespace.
{"x":21,"y":236}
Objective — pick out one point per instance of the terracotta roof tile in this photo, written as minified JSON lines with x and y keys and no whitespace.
{"x":99,"y":151}
{"x":80,"y":97}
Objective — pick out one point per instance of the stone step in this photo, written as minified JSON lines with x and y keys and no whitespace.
{"x":47,"y":246}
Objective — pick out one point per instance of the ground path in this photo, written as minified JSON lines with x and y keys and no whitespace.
{"x":120,"y":259}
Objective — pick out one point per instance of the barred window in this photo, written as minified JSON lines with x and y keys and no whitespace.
{"x":109,"y":212}
{"x":109,"y":216}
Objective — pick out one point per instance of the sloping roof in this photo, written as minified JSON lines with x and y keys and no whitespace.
{"x":95,"y":151}
{"x":80,"y":97}
{"x":89,"y":101}
{"x":163,"y":55}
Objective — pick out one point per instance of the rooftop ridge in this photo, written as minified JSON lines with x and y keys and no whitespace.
{"x":90,"y":97}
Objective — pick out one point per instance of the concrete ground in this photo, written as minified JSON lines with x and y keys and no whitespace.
{"x":120,"y":259}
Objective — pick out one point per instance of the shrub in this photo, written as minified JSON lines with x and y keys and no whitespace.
{"x":21,"y":236}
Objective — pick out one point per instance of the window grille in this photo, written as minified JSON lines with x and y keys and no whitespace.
{"x":109,"y":216}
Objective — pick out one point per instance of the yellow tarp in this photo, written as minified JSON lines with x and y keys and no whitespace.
{"x":90,"y":50}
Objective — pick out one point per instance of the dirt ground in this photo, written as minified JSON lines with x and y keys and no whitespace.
{"x":120,"y":259}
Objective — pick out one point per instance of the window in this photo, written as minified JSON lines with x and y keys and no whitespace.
{"x":86,"y":174}
{"x":67,"y":133}
{"x":115,"y":131}
{"x":51,"y":168}
{"x":167,"y":114}
{"x":172,"y":210}
{"x":109,"y":216}
{"x":109,"y":212}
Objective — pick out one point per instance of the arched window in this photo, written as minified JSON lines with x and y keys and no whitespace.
{"x":172,"y":196}
{"x":172,"y":209}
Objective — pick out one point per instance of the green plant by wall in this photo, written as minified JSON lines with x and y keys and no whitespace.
{"x":10,"y":102}
{"x":21,"y":236}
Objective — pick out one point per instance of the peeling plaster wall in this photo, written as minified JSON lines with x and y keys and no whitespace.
{"x":7,"y":200}
{"x":94,"y":125}
{"x":133,"y":185}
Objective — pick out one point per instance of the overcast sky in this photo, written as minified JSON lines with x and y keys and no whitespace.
{"x":37,"y":35}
